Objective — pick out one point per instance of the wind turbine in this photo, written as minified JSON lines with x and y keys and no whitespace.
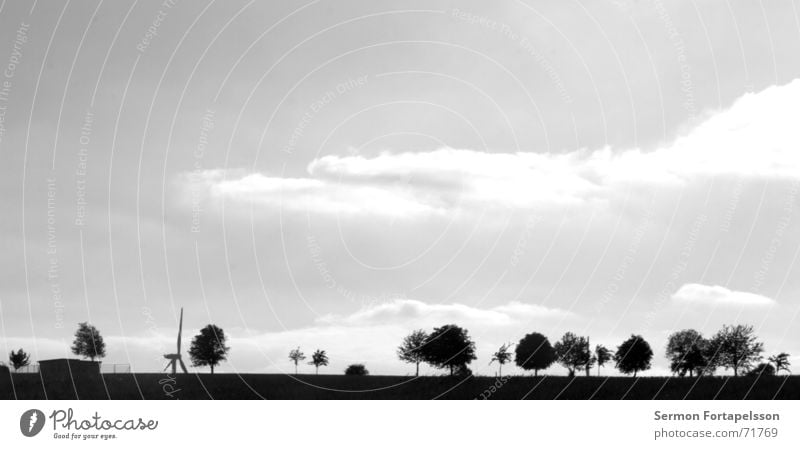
{"x":174,"y":359}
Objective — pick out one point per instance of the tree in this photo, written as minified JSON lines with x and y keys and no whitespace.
{"x":502,"y":356}
{"x":296,"y":356}
{"x":88,"y":342}
{"x":573,"y":352}
{"x":208,"y":347}
{"x":736,"y":347}
{"x":19,"y":359}
{"x":356,"y":370}
{"x":687,"y":352}
{"x":450,"y":347}
{"x":534,"y":352}
{"x":633,"y":355}
{"x":762,"y":369}
{"x":318,"y":358}
{"x":602,"y":355}
{"x":781,"y":362}
{"x":411,"y":349}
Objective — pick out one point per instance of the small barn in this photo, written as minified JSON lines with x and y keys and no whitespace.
{"x":71,"y":379}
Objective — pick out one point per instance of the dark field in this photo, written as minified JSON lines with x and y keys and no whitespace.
{"x":278,"y":386}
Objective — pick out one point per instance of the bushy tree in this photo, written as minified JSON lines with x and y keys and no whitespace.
{"x":534,"y":352}
{"x":356,"y":370}
{"x":411,"y":349}
{"x":687,"y":352}
{"x":88,"y":342}
{"x":781,"y":362}
{"x":449,"y":347}
{"x":602,"y":355}
{"x":573,"y":352}
{"x":502,"y":356}
{"x":736,"y":347}
{"x":208,"y":347}
{"x":19,"y":359}
{"x":318,"y":358}
{"x":296,"y":356}
{"x":633,"y":355}
{"x":762,"y":369}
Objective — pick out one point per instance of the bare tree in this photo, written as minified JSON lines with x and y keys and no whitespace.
{"x":297,"y":356}
{"x":736,"y":347}
{"x":411,"y":349}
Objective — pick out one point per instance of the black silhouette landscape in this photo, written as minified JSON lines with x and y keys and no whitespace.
{"x":694,"y":360}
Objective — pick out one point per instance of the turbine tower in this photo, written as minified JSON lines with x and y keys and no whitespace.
{"x":175,"y":359}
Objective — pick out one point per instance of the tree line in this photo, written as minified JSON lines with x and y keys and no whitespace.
{"x":450,"y":347}
{"x":208,"y":347}
{"x":734,"y":347}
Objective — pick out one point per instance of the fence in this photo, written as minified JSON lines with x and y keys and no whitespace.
{"x":34,"y":368}
{"x":105,"y":368}
{"x":115,"y":368}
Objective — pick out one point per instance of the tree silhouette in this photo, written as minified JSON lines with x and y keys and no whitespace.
{"x":602,"y":355}
{"x":449,"y":347}
{"x":208,"y":347}
{"x":88,"y":342}
{"x":19,"y":359}
{"x":633,"y":355}
{"x":534,"y":352}
{"x":296,"y":356}
{"x":356,"y":370}
{"x":687,"y":351}
{"x":736,"y":347}
{"x":502,"y":356}
{"x":318,"y":358}
{"x":781,"y":362}
{"x":762,"y":369}
{"x":573,"y":352}
{"x":411,"y":349}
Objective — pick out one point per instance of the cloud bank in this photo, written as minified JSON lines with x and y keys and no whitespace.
{"x":755,"y":137}
{"x":715,"y":295}
{"x":413,"y":312}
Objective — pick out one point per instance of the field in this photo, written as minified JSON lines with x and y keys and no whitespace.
{"x":278,"y":386}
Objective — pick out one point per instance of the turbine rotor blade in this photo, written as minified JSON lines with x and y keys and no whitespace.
{"x":183,"y":367}
{"x":180,"y":331}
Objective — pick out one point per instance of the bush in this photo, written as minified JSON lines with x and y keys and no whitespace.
{"x":763,"y":369}
{"x":356,"y":370}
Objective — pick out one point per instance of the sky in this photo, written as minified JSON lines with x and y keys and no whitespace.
{"x":334,"y":175}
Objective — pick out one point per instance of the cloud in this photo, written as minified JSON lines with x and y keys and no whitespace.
{"x":716,"y":295}
{"x":418,"y":313}
{"x":756,"y":137}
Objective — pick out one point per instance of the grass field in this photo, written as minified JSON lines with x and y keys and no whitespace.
{"x":278,"y":386}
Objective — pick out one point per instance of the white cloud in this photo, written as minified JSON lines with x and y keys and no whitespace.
{"x":756,"y":137}
{"x":409,"y":311}
{"x":716,"y":295}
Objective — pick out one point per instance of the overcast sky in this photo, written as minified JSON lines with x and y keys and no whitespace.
{"x":336,"y":174}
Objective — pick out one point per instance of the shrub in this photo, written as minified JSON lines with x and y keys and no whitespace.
{"x":762,"y":369}
{"x":356,"y":370}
